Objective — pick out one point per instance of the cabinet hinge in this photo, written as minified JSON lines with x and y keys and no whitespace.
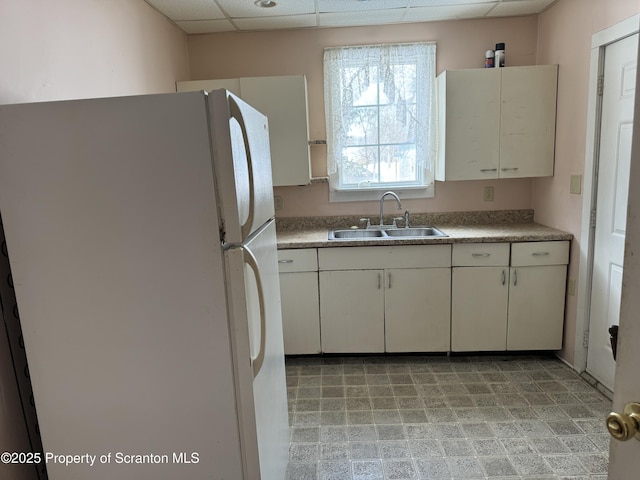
{"x":600,"y":85}
{"x":585,"y":339}
{"x":592,"y":218}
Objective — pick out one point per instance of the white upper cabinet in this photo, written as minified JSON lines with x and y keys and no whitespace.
{"x":283,"y":99}
{"x":496,"y":123}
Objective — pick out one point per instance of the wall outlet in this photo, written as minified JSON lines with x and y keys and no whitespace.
{"x":487,"y":194}
{"x":278,"y":203}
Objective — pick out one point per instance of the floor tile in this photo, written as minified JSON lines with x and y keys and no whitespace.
{"x":396,"y":417}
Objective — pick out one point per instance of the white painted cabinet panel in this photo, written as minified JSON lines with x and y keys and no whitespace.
{"x":300,"y":301}
{"x":283,"y":99}
{"x":352,"y":311}
{"x":300,"y":312}
{"x":497,"y":123}
{"x":469,"y":122}
{"x":417,"y":314}
{"x":480,"y":296}
{"x":536,"y":307}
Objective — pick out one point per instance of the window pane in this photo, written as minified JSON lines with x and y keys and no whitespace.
{"x":362,"y":126}
{"x":398,"y":163}
{"x":359,"y":165}
{"x":397,"y":123}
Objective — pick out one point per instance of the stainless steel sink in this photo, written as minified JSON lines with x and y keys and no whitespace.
{"x":355,"y":234}
{"x":386,"y":233}
{"x":415,"y":232}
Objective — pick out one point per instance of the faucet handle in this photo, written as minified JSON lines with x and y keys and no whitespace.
{"x":368,"y":220}
{"x":406,"y":219}
{"x":395,"y":219}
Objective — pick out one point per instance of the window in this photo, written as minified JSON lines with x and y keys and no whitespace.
{"x":380,"y":119}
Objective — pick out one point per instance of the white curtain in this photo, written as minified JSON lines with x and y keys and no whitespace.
{"x":398,"y":79}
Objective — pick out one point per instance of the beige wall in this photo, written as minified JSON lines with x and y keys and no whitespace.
{"x":460,"y":44}
{"x":564,"y":37}
{"x":63,"y":49}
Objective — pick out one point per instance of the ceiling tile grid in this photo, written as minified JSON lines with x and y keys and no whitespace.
{"x":211,"y":16}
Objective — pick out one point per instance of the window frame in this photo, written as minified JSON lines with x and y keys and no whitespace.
{"x":425,"y":99}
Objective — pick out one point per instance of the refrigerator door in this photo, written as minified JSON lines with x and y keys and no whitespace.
{"x":256,"y":320}
{"x":112,"y":231}
{"x":242,"y":165}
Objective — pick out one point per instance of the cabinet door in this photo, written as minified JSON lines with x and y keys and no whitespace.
{"x":417,"y":309}
{"x":536,"y":307}
{"x":300,"y":312}
{"x":528,"y":125}
{"x":479,"y":308}
{"x":352,"y":311}
{"x":469,"y":111}
{"x":283,"y":100}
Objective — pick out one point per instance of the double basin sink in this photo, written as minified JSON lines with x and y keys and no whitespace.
{"x":381,"y":233}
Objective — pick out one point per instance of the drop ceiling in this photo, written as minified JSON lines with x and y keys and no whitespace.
{"x":210,"y":16}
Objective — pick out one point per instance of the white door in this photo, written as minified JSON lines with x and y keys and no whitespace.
{"x":623,"y":458}
{"x":612,"y":192}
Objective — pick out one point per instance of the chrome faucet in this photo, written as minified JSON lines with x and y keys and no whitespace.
{"x":382,"y":204}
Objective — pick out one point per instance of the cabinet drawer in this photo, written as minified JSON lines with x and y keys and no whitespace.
{"x":539,"y":253}
{"x":480,"y":254}
{"x":368,"y":258}
{"x":303,"y":260}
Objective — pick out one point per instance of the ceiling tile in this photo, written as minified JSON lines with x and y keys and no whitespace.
{"x":188,"y":10}
{"x":205,"y":26}
{"x":248,"y":8}
{"x":427,"y":14}
{"x":326,"y":6}
{"x":276,"y":23}
{"x":520,"y":7}
{"x":375,"y":17}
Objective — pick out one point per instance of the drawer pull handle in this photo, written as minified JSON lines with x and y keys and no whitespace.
{"x":389,"y":281}
{"x":504,"y":277}
{"x":287,"y":260}
{"x":515,"y":278}
{"x":488,"y":169}
{"x":509,"y":169}
{"x":379,"y":281}
{"x":540,"y":254}
{"x":480,"y":254}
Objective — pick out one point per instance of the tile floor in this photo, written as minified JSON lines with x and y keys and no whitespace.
{"x":437,"y":417}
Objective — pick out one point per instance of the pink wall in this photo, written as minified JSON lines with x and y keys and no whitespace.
{"x":460,"y":44}
{"x":87,"y":48}
{"x":564,"y":37}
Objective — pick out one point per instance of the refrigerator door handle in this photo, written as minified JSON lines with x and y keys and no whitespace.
{"x":256,"y":362}
{"x":236,"y":113}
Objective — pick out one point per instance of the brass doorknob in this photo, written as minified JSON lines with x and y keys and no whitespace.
{"x":626,"y":425}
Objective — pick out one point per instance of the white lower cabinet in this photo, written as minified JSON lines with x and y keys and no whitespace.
{"x":537,"y":295}
{"x":352,"y":311}
{"x":480,"y":296}
{"x":300,"y":301}
{"x":500,"y":305}
{"x":416,"y":309}
{"x":394,"y":299}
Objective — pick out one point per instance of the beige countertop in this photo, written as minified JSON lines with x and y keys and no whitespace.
{"x":314,"y":237}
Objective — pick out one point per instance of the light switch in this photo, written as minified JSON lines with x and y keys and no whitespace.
{"x":487,"y":194}
{"x":576,"y":184}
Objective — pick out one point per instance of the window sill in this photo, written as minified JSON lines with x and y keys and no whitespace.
{"x":375,"y":193}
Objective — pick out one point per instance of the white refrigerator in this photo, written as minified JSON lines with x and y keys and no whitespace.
{"x":141,"y":240}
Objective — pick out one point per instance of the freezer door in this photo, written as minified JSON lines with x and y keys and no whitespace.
{"x":242,"y":165}
{"x":256,"y":320}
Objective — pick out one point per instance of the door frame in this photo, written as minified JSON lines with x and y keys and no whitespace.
{"x":599,"y":41}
